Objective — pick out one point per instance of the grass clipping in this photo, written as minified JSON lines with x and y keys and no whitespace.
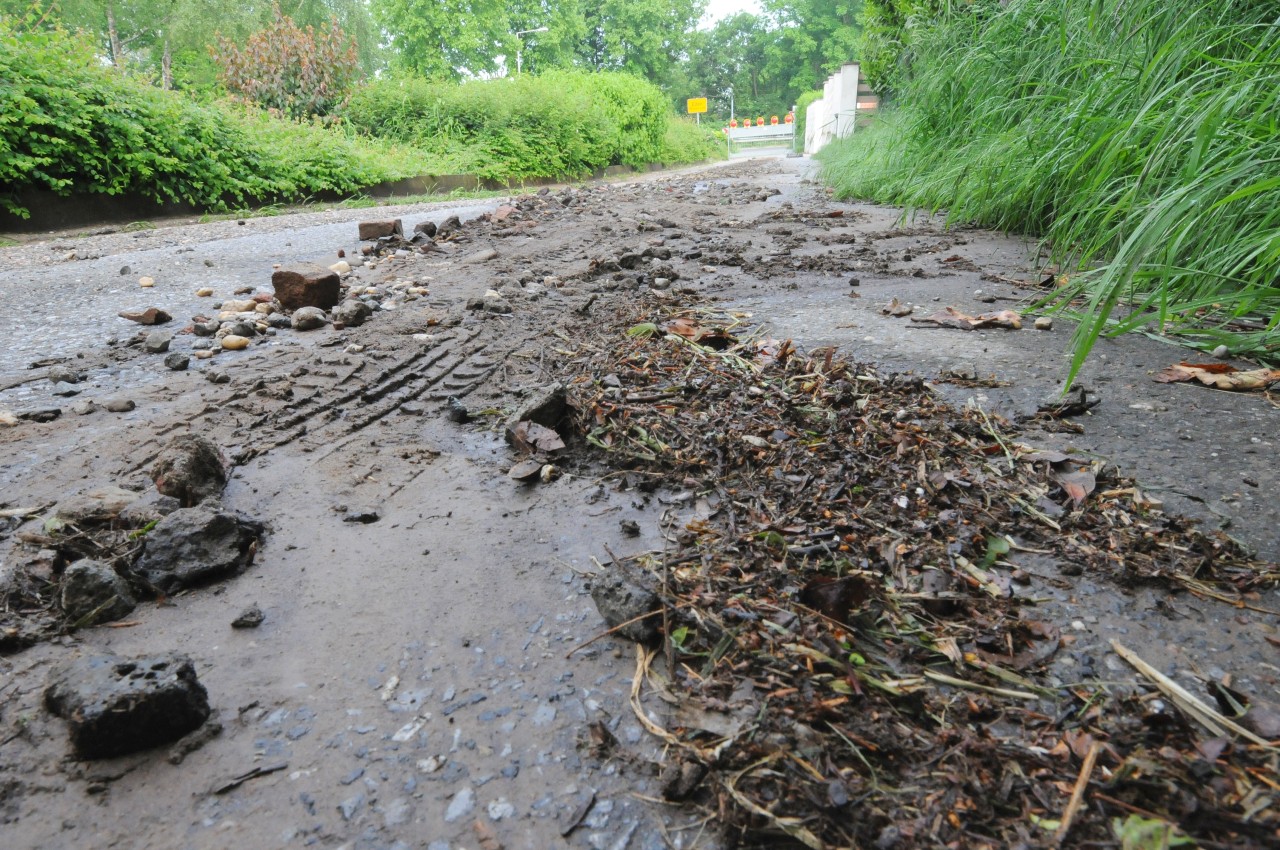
{"x":850,"y":656}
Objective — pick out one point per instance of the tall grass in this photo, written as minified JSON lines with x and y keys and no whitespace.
{"x":1141,"y":138}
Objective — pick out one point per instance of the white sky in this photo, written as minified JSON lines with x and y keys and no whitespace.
{"x":717,"y":9}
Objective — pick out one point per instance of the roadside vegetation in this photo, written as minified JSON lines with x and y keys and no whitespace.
{"x":1140,"y":139}
{"x":288,"y":116}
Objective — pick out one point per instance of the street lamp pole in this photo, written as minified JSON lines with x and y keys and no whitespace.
{"x":520,"y":46}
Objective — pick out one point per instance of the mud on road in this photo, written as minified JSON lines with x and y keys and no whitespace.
{"x":415,"y":682}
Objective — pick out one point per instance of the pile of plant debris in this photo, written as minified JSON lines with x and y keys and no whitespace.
{"x":841,"y":614}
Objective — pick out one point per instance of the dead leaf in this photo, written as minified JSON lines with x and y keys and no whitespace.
{"x":486,"y":836}
{"x":1224,"y":376}
{"x":1077,"y":484}
{"x":836,"y":598}
{"x":525,"y":470}
{"x":531,"y":438}
{"x":897,"y":308}
{"x":692,"y":331}
{"x":953,"y":318}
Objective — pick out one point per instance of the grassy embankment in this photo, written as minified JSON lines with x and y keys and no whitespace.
{"x":1141,"y":139}
{"x":71,"y":125}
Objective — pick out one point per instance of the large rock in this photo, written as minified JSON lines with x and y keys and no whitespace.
{"x":115,"y":705}
{"x":189,"y":469}
{"x":92,"y":593}
{"x":370,"y":230}
{"x":306,"y":285}
{"x":196,"y":545}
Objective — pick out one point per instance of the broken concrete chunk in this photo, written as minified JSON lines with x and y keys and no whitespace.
{"x":93,"y":592}
{"x":547,"y":408}
{"x":370,"y":230}
{"x":620,"y":600}
{"x":306,"y":285}
{"x":196,"y":545}
{"x":426,"y":228}
{"x":114,"y":705}
{"x":190,"y":469}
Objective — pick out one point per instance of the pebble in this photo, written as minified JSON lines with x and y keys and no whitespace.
{"x":234,"y":342}
{"x":84,"y":408}
{"x":157,"y":342}
{"x":1044,"y":323}
{"x":177,"y":361}
{"x":120,"y":405}
{"x":62,"y":388}
{"x":204,"y":292}
{"x":461,"y":805}
{"x":1222,"y":352}
{"x":217,"y":377}
{"x":249,"y":618}
{"x":146,"y":282}
{"x":65,"y":374}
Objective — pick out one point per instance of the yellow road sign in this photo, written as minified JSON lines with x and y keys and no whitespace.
{"x":697,"y":104}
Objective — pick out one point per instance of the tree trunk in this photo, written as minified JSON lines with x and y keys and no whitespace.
{"x":113,"y":38}
{"x":166,"y":68}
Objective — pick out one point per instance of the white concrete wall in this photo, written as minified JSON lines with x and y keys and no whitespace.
{"x":833,"y":116}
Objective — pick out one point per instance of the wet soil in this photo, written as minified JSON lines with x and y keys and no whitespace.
{"x":413,"y":673}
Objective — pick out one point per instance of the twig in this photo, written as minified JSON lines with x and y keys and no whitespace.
{"x":1212,"y":720}
{"x":616,"y":628}
{"x":1077,"y":794}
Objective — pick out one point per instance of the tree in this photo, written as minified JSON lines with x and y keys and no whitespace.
{"x":644,"y":37}
{"x":446,"y":39}
{"x":823,"y":36}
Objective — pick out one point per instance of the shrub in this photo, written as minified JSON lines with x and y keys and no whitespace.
{"x":297,"y":73}
{"x":69,"y":124}
{"x":560,"y":124}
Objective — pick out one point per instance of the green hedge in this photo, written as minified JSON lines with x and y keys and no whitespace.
{"x":72,"y":125}
{"x":557,"y":124}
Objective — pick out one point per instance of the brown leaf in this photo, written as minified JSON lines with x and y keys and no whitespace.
{"x":897,"y":308}
{"x":836,"y":598}
{"x":1224,"y":376}
{"x":525,"y":470}
{"x":953,"y":318}
{"x":486,"y":836}
{"x":1077,"y":484}
{"x":531,"y":438}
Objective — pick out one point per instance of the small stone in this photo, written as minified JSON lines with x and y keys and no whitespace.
{"x":249,"y":618}
{"x":362,"y":517}
{"x":352,"y":312}
{"x":620,"y":600}
{"x":234,"y":342}
{"x":157,"y":342}
{"x":177,"y":361}
{"x":215,"y":377}
{"x":125,"y":270}
{"x":1222,"y":352}
{"x":348,"y":807}
{"x":630,"y":527}
{"x":120,"y":405}
{"x":480,"y":257}
{"x":341,"y":267}
{"x":146,"y":282}
{"x":426,"y":228}
{"x":93,"y":592}
{"x":1044,"y":323}
{"x":65,"y":390}
{"x":660,"y":283}
{"x":65,"y":374}
{"x":204,"y":292}
{"x":195,"y":545}
{"x":461,"y":805}
{"x":205,"y":329}
{"x":149,"y":316}
{"x":309,"y":318}
{"x":84,"y":408}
